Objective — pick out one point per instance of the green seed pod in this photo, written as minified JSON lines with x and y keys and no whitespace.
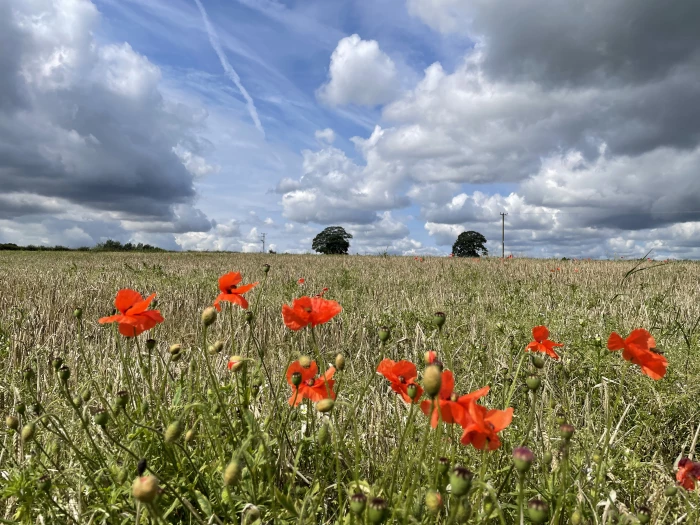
{"x":28,"y":432}
{"x":86,"y":395}
{"x":412,"y":391}
{"x":671,"y":491}
{"x":44,"y":483}
{"x":36,"y":408}
{"x":56,"y":362}
{"x":358,"y":502}
{"x":566,"y":431}
{"x":644,"y":515}
{"x":101,"y":418}
{"x":461,"y":481}
{"x":174,"y":431}
{"x":538,"y":510}
{"x":533,"y":382}
{"x":21,"y":408}
{"x":432,"y":380}
{"x":296,"y":378}
{"x":78,"y":313}
{"x":378,"y":510}
{"x":340,"y":362}
{"x":266,"y":268}
{"x":12,"y":422}
{"x":209,"y":316}
{"x":547,"y":458}
{"x":248,"y":316}
{"x":522,"y":457}
{"x":28,"y":375}
{"x":384,"y":334}
{"x":122,"y":399}
{"x":190,"y":435}
{"x":538,"y":361}
{"x":233,"y":471}
{"x":64,"y":373}
{"x":150,"y":344}
{"x":439,"y":319}
{"x":443,"y":466}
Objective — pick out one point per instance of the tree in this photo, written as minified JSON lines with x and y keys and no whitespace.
{"x":470,"y":244}
{"x":332,"y":240}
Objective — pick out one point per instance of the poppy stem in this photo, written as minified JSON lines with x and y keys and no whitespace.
{"x":215,"y":382}
{"x":409,"y":476}
{"x":399,"y":456}
{"x":514,"y":382}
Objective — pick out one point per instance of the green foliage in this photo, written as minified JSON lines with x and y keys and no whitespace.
{"x":470,"y":244}
{"x":334,"y":240}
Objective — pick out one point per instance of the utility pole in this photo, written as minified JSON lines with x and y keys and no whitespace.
{"x":262,"y":239}
{"x":503,"y":235}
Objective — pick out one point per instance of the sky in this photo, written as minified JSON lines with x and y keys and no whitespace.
{"x":201,"y":124}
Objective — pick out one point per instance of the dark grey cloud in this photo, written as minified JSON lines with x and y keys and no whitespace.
{"x":86,"y":123}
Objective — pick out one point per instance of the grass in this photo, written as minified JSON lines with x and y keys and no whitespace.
{"x":237,"y":453}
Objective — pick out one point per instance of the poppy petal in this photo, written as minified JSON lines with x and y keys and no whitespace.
{"x":126,"y":298}
{"x":228,"y":280}
{"x":540,"y":333}
{"x":448,"y":384}
{"x":292,"y":318}
{"x":615,"y":342}
{"x":245,"y":288}
{"x":141,"y":306}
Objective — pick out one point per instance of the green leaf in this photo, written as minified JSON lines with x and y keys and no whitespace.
{"x":286,"y":502}
{"x":203,"y":503}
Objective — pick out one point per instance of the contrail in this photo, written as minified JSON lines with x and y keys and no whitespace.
{"x":230,"y":72}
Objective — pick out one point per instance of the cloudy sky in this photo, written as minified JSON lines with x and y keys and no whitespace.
{"x":199,"y":124}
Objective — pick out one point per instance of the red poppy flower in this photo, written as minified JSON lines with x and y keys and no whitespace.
{"x":307,"y":310}
{"x":688,"y":473}
{"x":135,"y":318}
{"x":231,"y":292}
{"x":310,"y":387}
{"x":400,"y":374}
{"x":541,"y":343}
{"x":448,"y":407}
{"x":640,"y":349}
{"x":430,"y":357}
{"x":482,"y":431}
{"x":323,"y":292}
{"x":301,"y":281}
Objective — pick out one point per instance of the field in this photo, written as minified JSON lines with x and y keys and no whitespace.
{"x":226,"y":446}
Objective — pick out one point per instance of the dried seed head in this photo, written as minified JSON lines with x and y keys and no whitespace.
{"x":145,"y":489}
{"x":432,"y":380}
{"x":325,"y":405}
{"x":538,"y":510}
{"x":460,"y":481}
{"x":522,"y":457}
{"x":209,"y":316}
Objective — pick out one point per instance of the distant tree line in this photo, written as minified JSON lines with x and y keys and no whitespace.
{"x":107,"y":246}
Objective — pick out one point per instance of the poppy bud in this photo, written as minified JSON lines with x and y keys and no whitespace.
{"x":533,"y":382}
{"x":174,"y":431}
{"x":378,"y":508}
{"x":122,"y":398}
{"x":36,"y":408}
{"x":190,"y":435}
{"x":670,"y":491}
{"x":145,"y":489}
{"x":430,"y":357}
{"x":322,"y":436}
{"x":150,"y":344}
{"x":232,"y":473}
{"x":77,"y":401}
{"x":235,"y":363}
{"x":384,"y":334}
{"x":296,"y":378}
{"x":251,"y":513}
{"x":325,"y":405}
{"x":44,"y":483}
{"x":566,"y":431}
{"x":460,"y":481}
{"x":433,"y":501}
{"x":56,"y":362}
{"x":547,"y":458}
{"x":78,"y":313}
{"x":340,"y":362}
{"x":538,"y":510}
{"x":576,"y":517}
{"x":597,"y":457}
{"x":216,"y":348}
{"x":266,"y":268}
{"x":644,"y":515}
{"x":522,"y":457}
{"x":248,"y":316}
{"x":305,"y":361}
{"x":209,"y":316}
{"x":358,"y":502}
{"x":28,"y":432}
{"x":21,"y":408}
{"x":439,"y":320}
{"x":28,"y":375}
{"x":537,"y":361}
{"x":175,"y":349}
{"x":101,"y":418}
{"x":86,"y":395}
{"x":432,"y":380}
{"x":443,"y":465}
{"x":412,"y":391}
{"x":12,"y":422}
{"x":561,"y":419}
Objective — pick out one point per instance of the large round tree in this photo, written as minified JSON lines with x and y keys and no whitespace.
{"x":470,"y":244}
{"x":334,"y":240}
